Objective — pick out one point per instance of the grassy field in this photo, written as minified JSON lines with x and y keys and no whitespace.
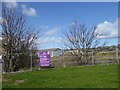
{"x":102,"y":76}
{"x":105,"y":55}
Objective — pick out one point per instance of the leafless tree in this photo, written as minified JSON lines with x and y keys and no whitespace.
{"x":17,"y":37}
{"x":81,"y":42}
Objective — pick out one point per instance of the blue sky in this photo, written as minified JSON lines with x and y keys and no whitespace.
{"x":56,"y":18}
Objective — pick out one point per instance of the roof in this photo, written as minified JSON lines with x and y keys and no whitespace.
{"x":51,"y":49}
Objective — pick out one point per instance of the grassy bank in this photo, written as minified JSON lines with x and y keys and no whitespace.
{"x":101,"y":76}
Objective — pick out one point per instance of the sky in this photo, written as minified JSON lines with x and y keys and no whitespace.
{"x":55,"y":18}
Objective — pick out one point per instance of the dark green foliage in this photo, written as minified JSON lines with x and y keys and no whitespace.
{"x":107,"y":48}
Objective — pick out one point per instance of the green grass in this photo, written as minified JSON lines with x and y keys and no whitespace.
{"x":102,"y":76}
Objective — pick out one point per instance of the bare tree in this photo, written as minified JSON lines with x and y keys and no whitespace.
{"x":81,"y":42}
{"x":17,"y":37}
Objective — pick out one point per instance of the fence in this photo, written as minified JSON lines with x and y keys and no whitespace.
{"x":19,"y":61}
{"x":103,"y":57}
{"x":27,"y":61}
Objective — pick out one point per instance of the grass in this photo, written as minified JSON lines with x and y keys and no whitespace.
{"x":102,"y":76}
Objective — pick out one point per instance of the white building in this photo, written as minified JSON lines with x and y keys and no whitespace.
{"x":53,"y":52}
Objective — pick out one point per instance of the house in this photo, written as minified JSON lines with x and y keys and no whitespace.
{"x":53,"y":52}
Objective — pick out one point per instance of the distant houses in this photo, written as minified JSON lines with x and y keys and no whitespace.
{"x":58,"y":52}
{"x":53,"y":52}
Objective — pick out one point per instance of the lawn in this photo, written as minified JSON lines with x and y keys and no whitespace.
{"x":101,"y":76}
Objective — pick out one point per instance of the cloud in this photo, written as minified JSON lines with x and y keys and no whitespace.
{"x":107,"y":29}
{"x":50,"y":36}
{"x":43,"y":27}
{"x":11,"y":3}
{"x":1,"y":20}
{"x":53,"y":31}
{"x":48,"y":40}
{"x":28,"y":11}
{"x":0,"y":38}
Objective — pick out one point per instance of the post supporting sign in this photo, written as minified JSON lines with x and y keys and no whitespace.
{"x":44,"y":59}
